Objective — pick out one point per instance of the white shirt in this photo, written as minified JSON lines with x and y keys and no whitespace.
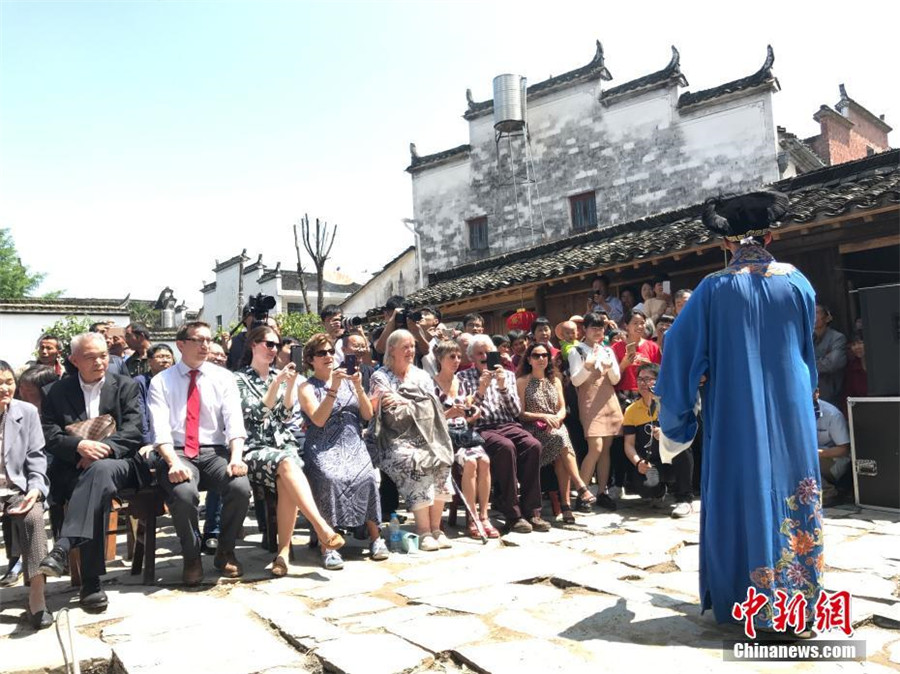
{"x":221,"y":419}
{"x":603,"y":358}
{"x":91,"y":394}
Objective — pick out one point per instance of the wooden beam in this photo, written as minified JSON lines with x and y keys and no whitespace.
{"x":881,"y":242}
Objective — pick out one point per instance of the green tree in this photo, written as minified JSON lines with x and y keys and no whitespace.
{"x":143,"y":312}
{"x":299,"y":326}
{"x":66,"y":328}
{"x":16,"y":281}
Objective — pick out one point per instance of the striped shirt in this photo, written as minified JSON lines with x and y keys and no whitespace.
{"x":497,"y":407}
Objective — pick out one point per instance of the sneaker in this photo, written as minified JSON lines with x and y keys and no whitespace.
{"x":379,"y":550}
{"x":428,"y":543}
{"x":682,"y":510}
{"x":605,"y":502}
{"x":442,"y":540}
{"x":332,"y":560}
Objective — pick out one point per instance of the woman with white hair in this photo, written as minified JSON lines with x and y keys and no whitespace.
{"x":412,"y":442}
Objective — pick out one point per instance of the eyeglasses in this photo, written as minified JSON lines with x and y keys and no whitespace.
{"x":321,"y":353}
{"x":269,"y":344}
{"x":540,"y":355}
{"x":200,"y":341}
{"x":646,"y":380}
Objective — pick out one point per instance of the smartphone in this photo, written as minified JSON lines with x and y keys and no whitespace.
{"x":493,"y":359}
{"x":350,"y":363}
{"x":297,"y":357}
{"x":667,"y":287}
{"x":631,"y":347}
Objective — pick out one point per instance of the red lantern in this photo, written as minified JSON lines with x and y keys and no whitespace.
{"x":521,"y":320}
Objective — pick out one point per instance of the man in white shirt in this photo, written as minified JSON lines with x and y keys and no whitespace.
{"x":196,"y":413}
{"x":834,"y":452}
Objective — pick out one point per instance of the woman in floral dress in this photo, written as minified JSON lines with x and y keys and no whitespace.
{"x":543,"y":412}
{"x":271,"y":453}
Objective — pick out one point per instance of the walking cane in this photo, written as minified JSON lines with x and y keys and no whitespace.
{"x":478,"y":525}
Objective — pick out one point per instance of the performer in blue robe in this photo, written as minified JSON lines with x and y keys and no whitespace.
{"x":747,"y":333}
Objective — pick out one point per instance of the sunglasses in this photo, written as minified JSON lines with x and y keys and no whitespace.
{"x":540,"y":355}
{"x":321,"y":353}
{"x":268,"y":343}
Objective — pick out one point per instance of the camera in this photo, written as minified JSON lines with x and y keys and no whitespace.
{"x":260,"y":305}
{"x":406,"y":313}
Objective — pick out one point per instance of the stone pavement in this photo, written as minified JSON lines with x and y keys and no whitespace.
{"x":612,"y":591}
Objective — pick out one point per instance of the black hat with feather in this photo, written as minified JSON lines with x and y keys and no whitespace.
{"x":746,"y":215}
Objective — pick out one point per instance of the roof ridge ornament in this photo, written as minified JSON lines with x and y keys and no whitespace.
{"x":469,"y":100}
{"x":674,"y":64}
{"x":770,"y":59}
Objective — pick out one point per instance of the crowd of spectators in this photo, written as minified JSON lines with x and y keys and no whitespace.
{"x":350,"y":424}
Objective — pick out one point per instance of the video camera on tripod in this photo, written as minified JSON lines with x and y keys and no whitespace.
{"x":259,"y":306}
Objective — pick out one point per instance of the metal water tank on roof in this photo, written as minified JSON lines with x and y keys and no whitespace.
{"x":509,"y":102}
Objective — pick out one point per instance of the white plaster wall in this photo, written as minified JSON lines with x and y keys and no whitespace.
{"x":640,"y":155}
{"x":383,"y":285}
{"x":19,"y":333}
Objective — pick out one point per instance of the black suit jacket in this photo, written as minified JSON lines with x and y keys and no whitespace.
{"x":64,"y":404}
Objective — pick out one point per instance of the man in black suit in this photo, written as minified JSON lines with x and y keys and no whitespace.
{"x":88,"y":473}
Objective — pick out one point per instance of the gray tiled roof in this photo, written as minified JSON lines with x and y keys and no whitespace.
{"x":828,"y":192}
{"x":762,"y":76}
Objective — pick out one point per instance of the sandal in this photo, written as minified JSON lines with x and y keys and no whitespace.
{"x":489,"y":529}
{"x":472,"y":530}
{"x":567,"y":516}
{"x":279,"y":567}
{"x":585,"y":496}
{"x":333,"y":542}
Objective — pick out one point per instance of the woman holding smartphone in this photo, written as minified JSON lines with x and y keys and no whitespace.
{"x":23,"y":488}
{"x":344,"y":482}
{"x":272,"y":455}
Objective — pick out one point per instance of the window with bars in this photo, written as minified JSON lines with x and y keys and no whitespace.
{"x":584,"y":211}
{"x":295,"y":308}
{"x":478,"y":233}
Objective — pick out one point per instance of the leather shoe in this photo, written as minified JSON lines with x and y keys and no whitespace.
{"x":538,"y":523}
{"x":519,"y":526}
{"x":228,"y":564}
{"x":192,"y":574}
{"x":12,"y":575}
{"x":54,"y":564}
{"x":92,"y":599}
{"x":40,"y":620}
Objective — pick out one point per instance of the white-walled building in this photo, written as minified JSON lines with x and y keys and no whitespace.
{"x":602,"y":155}
{"x":400,"y":276}
{"x":220,"y":297}
{"x":23,"y":321}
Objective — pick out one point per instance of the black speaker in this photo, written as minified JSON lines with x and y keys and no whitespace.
{"x":881,"y":328}
{"x":875,"y":448}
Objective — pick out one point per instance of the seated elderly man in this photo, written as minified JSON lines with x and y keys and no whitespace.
{"x":515,"y":454}
{"x":834,"y":453}
{"x":88,"y":473}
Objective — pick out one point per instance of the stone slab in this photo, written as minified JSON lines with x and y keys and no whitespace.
{"x":371,"y":654}
{"x":363,"y":578}
{"x":347,"y":606}
{"x":442,"y":633}
{"x":866,"y":585}
{"x":384,"y":619}
{"x":27,"y":651}
{"x":687,"y":558}
{"x":290,"y":616}
{"x":526,"y":656}
{"x":489,"y":599}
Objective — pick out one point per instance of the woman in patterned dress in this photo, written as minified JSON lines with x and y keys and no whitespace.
{"x":344,"y":482}
{"x":425,"y":489}
{"x":543,"y":412}
{"x":271,"y":453}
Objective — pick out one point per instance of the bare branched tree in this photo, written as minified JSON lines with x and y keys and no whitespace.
{"x":302,"y":278}
{"x":318,"y":252}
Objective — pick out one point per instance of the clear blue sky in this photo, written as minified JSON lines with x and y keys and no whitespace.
{"x":169,"y":134}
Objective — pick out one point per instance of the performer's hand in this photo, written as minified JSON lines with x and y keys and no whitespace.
{"x":178,"y":473}
{"x":643,"y":466}
{"x":655,"y":432}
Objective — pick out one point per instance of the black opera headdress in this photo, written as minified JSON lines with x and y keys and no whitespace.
{"x":740,"y":217}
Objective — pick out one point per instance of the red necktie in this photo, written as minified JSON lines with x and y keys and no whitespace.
{"x":192,"y":420}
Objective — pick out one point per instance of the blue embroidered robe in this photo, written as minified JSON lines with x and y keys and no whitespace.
{"x":749,"y":329}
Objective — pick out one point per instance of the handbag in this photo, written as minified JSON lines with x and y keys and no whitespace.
{"x":98,"y":428}
{"x":463,"y":438}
